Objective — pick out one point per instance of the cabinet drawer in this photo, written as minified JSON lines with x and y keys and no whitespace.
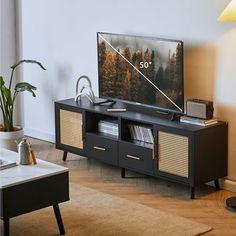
{"x":101,"y":148}
{"x":135,"y":157}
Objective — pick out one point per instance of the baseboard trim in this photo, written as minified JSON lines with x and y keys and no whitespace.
{"x":39,"y":135}
{"x":228,"y":184}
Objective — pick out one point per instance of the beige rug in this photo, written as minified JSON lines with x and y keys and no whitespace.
{"x":92,"y":213}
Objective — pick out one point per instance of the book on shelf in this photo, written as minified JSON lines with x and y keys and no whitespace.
{"x":197,"y":121}
{"x":109,"y":127}
{"x":144,"y":144}
{"x":4,"y":164}
{"x":140,"y":133}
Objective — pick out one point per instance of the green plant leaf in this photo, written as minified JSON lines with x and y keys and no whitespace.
{"x":7,"y":94}
{"x":7,"y":99}
{"x":1,"y":81}
{"x":27,"y":61}
{"x":24,"y":86}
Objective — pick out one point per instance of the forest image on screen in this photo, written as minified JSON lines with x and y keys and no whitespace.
{"x":142,"y":70}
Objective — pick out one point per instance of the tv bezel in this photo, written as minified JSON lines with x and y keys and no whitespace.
{"x":144,"y":105}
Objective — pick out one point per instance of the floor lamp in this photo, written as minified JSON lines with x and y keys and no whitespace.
{"x":229,"y":14}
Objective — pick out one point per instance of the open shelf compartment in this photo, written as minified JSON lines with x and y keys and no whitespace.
{"x":103,"y":125}
{"x":137,"y":133}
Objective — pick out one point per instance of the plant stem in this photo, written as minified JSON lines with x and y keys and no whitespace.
{"x":12,"y":73}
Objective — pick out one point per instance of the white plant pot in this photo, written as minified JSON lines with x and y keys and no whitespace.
{"x":9,"y":140}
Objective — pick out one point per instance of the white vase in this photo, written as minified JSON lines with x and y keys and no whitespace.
{"x":9,"y":140}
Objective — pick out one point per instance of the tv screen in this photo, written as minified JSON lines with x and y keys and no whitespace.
{"x":141,"y":70}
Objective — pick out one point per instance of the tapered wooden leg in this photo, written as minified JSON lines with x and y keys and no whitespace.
{"x":122,"y":172}
{"x":192,"y":192}
{"x":217,"y":185}
{"x":59,"y":219}
{"x":6,"y":227}
{"x":64,"y":156}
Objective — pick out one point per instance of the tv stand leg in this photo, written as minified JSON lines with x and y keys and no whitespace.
{"x":64,"y":156}
{"x":123,"y":173}
{"x":217,"y":185}
{"x":59,"y":219}
{"x":6,"y":227}
{"x":192,"y":192}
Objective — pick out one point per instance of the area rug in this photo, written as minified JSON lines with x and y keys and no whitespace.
{"x":93,"y":213}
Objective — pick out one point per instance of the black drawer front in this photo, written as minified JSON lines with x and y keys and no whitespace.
{"x":101,"y":148}
{"x":135,"y":157}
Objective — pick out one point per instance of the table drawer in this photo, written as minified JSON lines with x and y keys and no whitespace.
{"x":101,"y":148}
{"x":136,"y":157}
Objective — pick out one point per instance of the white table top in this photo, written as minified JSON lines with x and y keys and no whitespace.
{"x":25,"y":173}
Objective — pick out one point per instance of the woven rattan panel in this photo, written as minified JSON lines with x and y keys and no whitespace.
{"x":173,"y":154}
{"x":71,"y":124}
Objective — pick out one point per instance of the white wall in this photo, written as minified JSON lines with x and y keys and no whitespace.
{"x":8,"y":46}
{"x":7,"y":39}
{"x":62,"y":35}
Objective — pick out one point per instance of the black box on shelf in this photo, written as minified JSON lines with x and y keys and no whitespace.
{"x":199,"y":108}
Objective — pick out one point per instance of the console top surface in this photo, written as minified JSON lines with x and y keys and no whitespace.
{"x":134,"y":114}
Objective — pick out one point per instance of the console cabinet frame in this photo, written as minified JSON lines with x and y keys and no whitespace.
{"x":207,"y":146}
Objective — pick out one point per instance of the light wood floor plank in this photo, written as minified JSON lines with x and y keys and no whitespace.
{"x":208,"y":207}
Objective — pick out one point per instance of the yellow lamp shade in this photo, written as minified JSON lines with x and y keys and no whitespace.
{"x":229,"y":13}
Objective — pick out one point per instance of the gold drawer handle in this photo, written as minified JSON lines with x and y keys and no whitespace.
{"x":99,"y":148}
{"x":133,"y":157}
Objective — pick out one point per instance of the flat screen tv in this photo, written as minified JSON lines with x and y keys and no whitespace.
{"x":141,"y":70}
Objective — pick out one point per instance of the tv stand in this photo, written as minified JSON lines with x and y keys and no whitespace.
{"x":188,"y":154}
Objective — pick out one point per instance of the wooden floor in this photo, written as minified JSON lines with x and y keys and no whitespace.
{"x":208,"y":207}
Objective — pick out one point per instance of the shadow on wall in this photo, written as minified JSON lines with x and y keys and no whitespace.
{"x":199,"y":72}
{"x":228,"y":113}
{"x":225,"y":93}
{"x":210,"y":74}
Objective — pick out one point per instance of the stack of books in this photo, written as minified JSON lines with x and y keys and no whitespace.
{"x":197,"y":121}
{"x":141,"y":133}
{"x":108,"y":127}
{"x":6,"y":164}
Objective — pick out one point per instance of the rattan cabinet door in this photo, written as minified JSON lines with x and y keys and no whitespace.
{"x":71,"y":129}
{"x":173,"y":154}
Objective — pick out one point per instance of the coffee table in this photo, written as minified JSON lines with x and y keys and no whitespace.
{"x":26,"y":188}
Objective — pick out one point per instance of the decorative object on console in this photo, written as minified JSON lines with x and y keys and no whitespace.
{"x":89,"y":93}
{"x":33,"y":157}
{"x":8,"y":132}
{"x":199,"y":108}
{"x":197,"y":121}
{"x":199,"y":112}
{"x":229,"y":14}
{"x":26,"y":153}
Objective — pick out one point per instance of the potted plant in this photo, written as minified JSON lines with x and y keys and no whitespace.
{"x":9,"y":133}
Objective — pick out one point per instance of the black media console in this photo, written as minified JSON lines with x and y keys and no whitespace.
{"x":188,"y":154}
